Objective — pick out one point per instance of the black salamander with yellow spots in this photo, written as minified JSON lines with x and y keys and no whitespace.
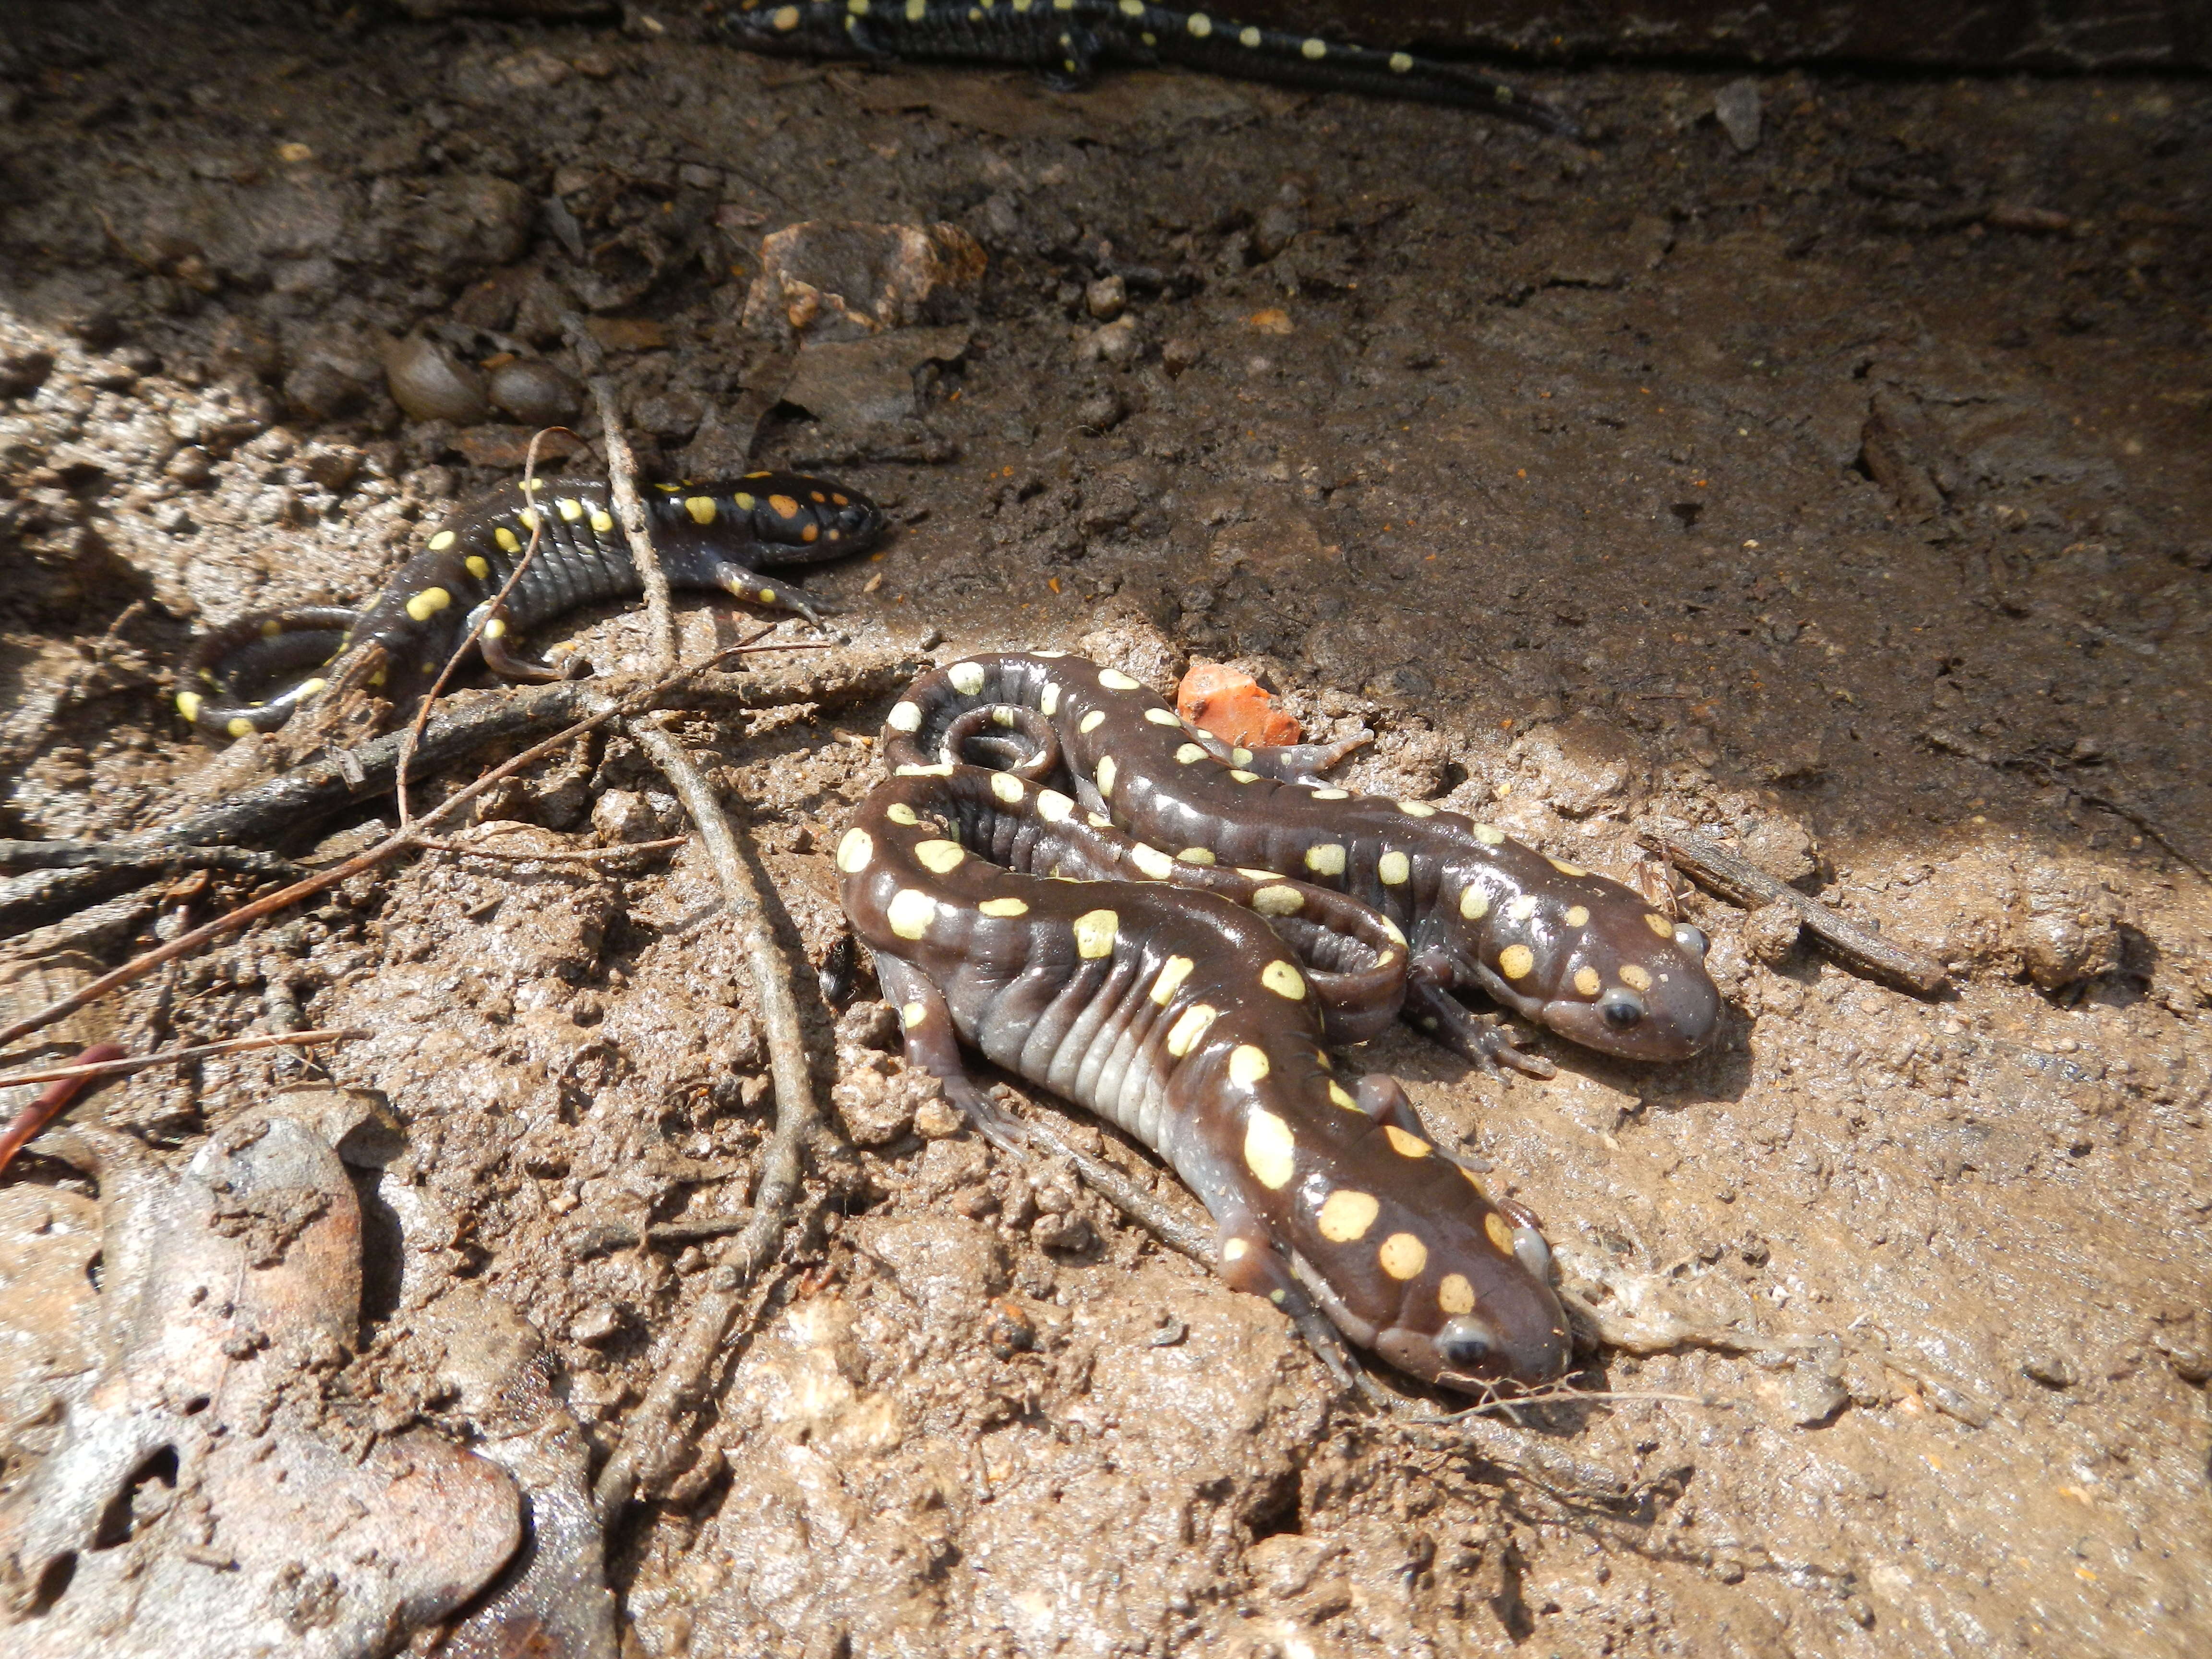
{"x":708,"y":536}
{"x":1065,"y":40}
{"x":1185,"y":1018}
{"x":1575,"y":952}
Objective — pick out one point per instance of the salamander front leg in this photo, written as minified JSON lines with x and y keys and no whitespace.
{"x":1250,"y":1262}
{"x":741,"y":583}
{"x":1287,"y":763}
{"x":1483,"y":1039}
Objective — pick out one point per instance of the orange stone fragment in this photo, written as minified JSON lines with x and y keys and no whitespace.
{"x":1217,"y":698}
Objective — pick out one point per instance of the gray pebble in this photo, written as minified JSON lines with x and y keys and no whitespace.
{"x":431,"y":383}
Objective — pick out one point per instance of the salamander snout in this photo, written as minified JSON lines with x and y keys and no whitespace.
{"x":1515,"y":1334}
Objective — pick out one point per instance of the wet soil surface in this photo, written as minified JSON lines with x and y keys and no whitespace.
{"x":1843,"y":496}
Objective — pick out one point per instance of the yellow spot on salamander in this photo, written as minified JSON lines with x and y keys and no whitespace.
{"x":1048,"y":703}
{"x":1248,"y":36}
{"x":427,"y":603}
{"x":1114,"y":680}
{"x":508,"y":540}
{"x":899,"y":812}
{"x":602,"y":521}
{"x":1635,"y":978}
{"x":1190,"y":754}
{"x":495,"y":628}
{"x":1455,"y":1295}
{"x":966,"y":677}
{"x":700,"y":507}
{"x":1106,"y":776}
{"x":1095,"y":932}
{"x":1054,"y":808}
{"x":1183,"y":1035}
{"x":1246,"y":1065}
{"x":1515,"y":961}
{"x":1402,"y":1256}
{"x":916,"y":11}
{"x":939,"y":857}
{"x":855,"y":851}
{"x":1522,"y":908}
{"x":1091,"y":721}
{"x":1417,"y":809}
{"x":1659,"y":925}
{"x":783,"y":17}
{"x":1405,"y":1144}
{"x":239,"y":727}
{"x":1327,"y":858}
{"x":1005,"y":907}
{"x":1587,"y":981}
{"x":1007,"y":787}
{"x":442,"y":540}
{"x":910,"y":912}
{"x":1152,"y":861}
{"x":1332,"y":794}
{"x":1474,"y":904}
{"x":768,"y":596}
{"x":1566,"y":869}
{"x":785,"y":507}
{"x":1172,"y":975}
{"x":477,"y":566}
{"x":188,"y":705}
{"x":1338,"y":1094}
{"x":1499,"y":1234}
{"x":913,"y":1013}
{"x":569,"y":508}
{"x":942,"y":770}
{"x":1158,"y":716}
{"x":1270,"y":1149}
{"x":1317,"y":50}
{"x":1577,"y":916}
{"x":1489,"y":835}
{"x":1202,"y":855}
{"x":1284,"y":981}
{"x":1345,"y":1216}
{"x":1278,"y":901}
{"x":905,"y":717}
{"x":1400,"y":63}
{"x":1395,"y":869}
{"x":1243,"y":776}
{"x":271,"y":627}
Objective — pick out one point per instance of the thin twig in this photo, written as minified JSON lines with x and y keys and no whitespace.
{"x":1713,"y":866}
{"x":580,"y":855}
{"x":621,"y":484}
{"x":407,"y":745}
{"x":82,"y":855}
{"x":399,"y":841}
{"x":50,"y":1104}
{"x":124,"y":1064}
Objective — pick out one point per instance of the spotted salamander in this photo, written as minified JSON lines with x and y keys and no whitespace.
{"x":1065,"y":40}
{"x":1182,"y":1017}
{"x":1582,"y":955}
{"x":708,"y":536}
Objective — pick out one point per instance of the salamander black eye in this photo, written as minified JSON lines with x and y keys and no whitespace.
{"x":1622,"y":1007}
{"x":1692,"y":939}
{"x":1465,"y":1343}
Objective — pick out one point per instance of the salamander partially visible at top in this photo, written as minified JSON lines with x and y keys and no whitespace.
{"x":1184,"y":1018}
{"x":708,"y":536}
{"x":1065,"y":40}
{"x":1575,"y":952}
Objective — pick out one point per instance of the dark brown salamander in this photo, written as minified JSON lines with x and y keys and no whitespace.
{"x":708,"y":536}
{"x":1181,"y":1017}
{"x":1574,"y":951}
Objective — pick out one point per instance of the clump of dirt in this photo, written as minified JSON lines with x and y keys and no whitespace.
{"x":1839,"y":496}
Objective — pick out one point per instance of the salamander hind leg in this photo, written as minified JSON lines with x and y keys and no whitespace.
{"x":503,"y":660}
{"x":933,"y":1044}
{"x":1288,"y":762}
{"x":1485,"y":1040}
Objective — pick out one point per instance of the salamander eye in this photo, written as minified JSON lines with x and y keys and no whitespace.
{"x":1692,"y":939}
{"x":1533,"y":1253}
{"x":1466,"y":1343}
{"x":1622,"y":1007}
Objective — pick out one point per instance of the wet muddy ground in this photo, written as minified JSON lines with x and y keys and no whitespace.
{"x":1840,"y":487}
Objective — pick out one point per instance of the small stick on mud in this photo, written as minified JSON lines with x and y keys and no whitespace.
{"x":649,"y":1439}
{"x":1720,"y":871}
{"x":414,"y":738}
{"x":55,"y":1100}
{"x":142,"y":860}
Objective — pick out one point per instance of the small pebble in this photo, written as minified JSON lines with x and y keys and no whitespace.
{"x":535,"y":392}
{"x":2050,"y":1368}
{"x":1107,"y":298}
{"x":431,"y":383}
{"x":936,"y":1120}
{"x":1736,"y":106}
{"x":1180,"y":354}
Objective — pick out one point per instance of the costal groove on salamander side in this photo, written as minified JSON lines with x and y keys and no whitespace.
{"x":1065,"y":40}
{"x":1575,"y":952}
{"x":1181,"y":1017}
{"x":708,"y":536}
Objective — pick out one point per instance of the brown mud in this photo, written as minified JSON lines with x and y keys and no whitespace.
{"x":1834,"y":483}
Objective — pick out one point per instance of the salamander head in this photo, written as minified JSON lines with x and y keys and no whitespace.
{"x":825,"y":519}
{"x":777,"y":26}
{"x":1636,"y":986}
{"x":1422,"y":1267}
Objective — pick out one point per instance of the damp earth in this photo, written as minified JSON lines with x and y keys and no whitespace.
{"x":1833,"y":482}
